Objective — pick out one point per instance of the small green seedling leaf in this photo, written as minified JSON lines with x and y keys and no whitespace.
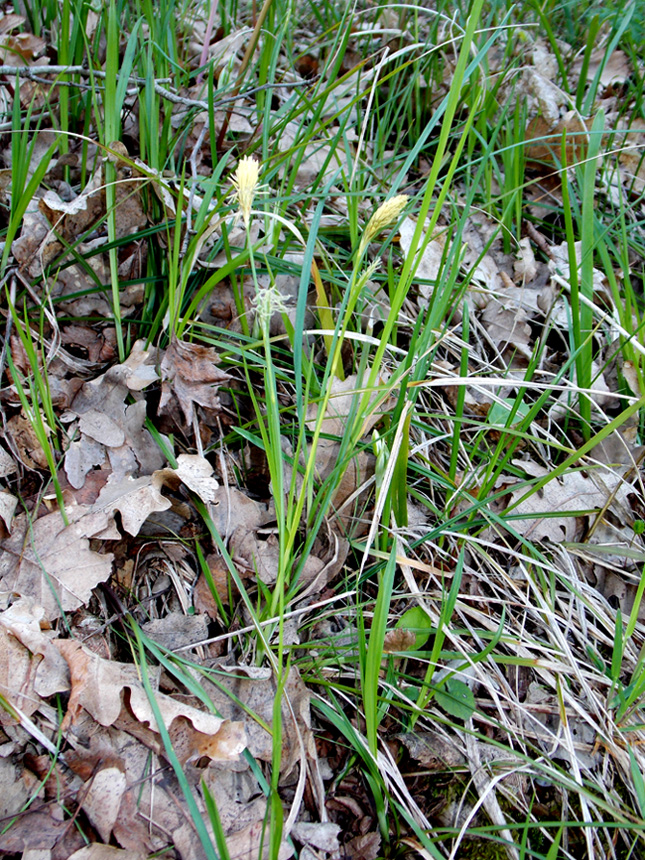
{"x":554,"y":850}
{"x":417,"y":621}
{"x":499,"y":412}
{"x":638,"y":781}
{"x":456,"y":698}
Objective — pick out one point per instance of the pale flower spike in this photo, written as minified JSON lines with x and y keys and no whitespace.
{"x":267,"y":301}
{"x":384,"y":215}
{"x":246,"y":183}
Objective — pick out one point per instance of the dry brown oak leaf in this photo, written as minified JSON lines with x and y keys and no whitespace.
{"x":190,"y":376}
{"x":98,"y":687}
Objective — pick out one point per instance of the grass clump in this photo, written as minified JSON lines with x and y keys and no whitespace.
{"x":380,"y":272}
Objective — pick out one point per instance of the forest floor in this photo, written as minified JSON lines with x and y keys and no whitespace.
{"x":322,"y":395}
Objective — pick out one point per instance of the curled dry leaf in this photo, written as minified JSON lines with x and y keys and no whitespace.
{"x":16,"y":682}
{"x":255,"y":690}
{"x":74,"y":286}
{"x":37,"y":830}
{"x":433,"y":750}
{"x":71,"y":218}
{"x":544,"y":59}
{"x":16,"y":800}
{"x":99,"y":345}
{"x":98,"y":687}
{"x":7,"y":464}
{"x":430,"y":263}
{"x":541,"y":717}
{"x":36,"y":246}
{"x":11,"y":21}
{"x":52,"y":562}
{"x":37,"y":151}
{"x":189,"y":376}
{"x":478,"y":258}
{"x":22,"y":619}
{"x":255,"y":555}
{"x":176,"y":630}
{"x":134,"y":498}
{"x":82,"y":455}
{"x":238,"y":518}
{"x":399,"y":640}
{"x":96,"y":851}
{"x":547,"y":97}
{"x":130,"y":215}
{"x":138,"y":370}
{"x":25,"y":46}
{"x":232,"y":509}
{"x":102,"y":799}
{"x":220,"y":308}
{"x":240,"y":801}
{"x":322,"y":835}
{"x":507,"y":328}
{"x":319,"y":160}
{"x":203,"y":599}
{"x":328,"y":555}
{"x":573,"y":491}
{"x":546,"y":136}
{"x":343,"y":396}
{"x":110,"y":430}
{"x":117,"y":752}
{"x":616,"y":68}
{"x":245,"y":844}
{"x":8,"y":503}
{"x":196,"y":473}
{"x":525,"y":268}
{"x":620,"y":449}
{"x":248,"y":843}
{"x":25,"y":442}
{"x":137,"y":498}
{"x":355,"y":477}
{"x":559,"y":264}
{"x":100,"y":427}
{"x":365,"y":847}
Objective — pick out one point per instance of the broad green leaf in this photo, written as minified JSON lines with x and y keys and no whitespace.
{"x":499,"y":412}
{"x":456,"y":698}
{"x":418,"y":621}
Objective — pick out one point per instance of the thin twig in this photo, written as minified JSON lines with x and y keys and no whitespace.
{"x":199,"y":103}
{"x":34,"y":71}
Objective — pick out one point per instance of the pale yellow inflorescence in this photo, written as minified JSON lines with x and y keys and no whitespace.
{"x":246,"y":183}
{"x":384,"y":215}
{"x":267,"y":301}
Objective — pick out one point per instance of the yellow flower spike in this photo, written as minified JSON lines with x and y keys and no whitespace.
{"x":384,"y":215}
{"x":245,"y":181}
